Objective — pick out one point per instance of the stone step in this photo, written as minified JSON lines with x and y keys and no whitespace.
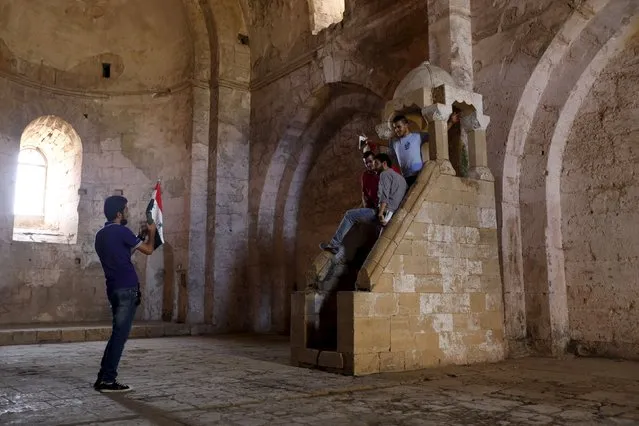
{"x":87,"y":332}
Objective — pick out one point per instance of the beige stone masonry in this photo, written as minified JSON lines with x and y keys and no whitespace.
{"x":431,"y":290}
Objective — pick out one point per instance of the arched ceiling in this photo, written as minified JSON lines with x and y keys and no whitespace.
{"x":64,"y":43}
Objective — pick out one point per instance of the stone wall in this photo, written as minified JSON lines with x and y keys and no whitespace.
{"x":509,"y":41}
{"x":65,"y":44}
{"x":127,"y":143}
{"x":535,"y":63}
{"x":599,"y":212}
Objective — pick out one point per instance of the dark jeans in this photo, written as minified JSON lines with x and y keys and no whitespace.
{"x":410,"y":181}
{"x":123,"y":307}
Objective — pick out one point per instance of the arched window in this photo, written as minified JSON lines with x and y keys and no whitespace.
{"x":31,"y":183}
{"x":47,"y":182}
{"x":325,"y":13}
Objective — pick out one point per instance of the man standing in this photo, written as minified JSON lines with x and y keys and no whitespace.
{"x":370,"y":181}
{"x":408,"y":149}
{"x":114,"y":244}
{"x":391,"y":191}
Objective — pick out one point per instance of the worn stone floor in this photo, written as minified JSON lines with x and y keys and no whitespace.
{"x":244,"y":380}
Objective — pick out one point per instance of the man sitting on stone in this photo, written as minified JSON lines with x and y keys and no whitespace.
{"x":370,"y":181}
{"x":390,"y":193}
{"x":408,"y":149}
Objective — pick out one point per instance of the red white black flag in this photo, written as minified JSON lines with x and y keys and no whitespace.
{"x":154,"y":211}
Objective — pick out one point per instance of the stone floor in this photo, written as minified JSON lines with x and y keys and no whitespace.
{"x":242,"y":380}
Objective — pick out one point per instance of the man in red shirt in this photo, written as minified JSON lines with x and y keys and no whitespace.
{"x":370,"y":181}
{"x":366,"y":146}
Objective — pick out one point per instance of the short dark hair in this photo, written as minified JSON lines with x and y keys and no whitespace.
{"x":400,"y":118}
{"x":113,"y":205}
{"x":367,"y":153}
{"x":384,"y":158}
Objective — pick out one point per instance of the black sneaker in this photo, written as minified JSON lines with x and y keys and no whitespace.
{"x":114,"y":387}
{"x":329,"y":248}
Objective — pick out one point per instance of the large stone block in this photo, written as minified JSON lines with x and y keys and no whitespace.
{"x":429,"y":283}
{"x":466,"y":322}
{"x":492,"y":320}
{"x":6,"y":338}
{"x":304,"y":356}
{"x":434,"y":212}
{"x":477,"y":302}
{"x":365,"y":363}
{"x":402,"y":338}
{"x":371,"y":335}
{"x":48,"y":336}
{"x":408,"y":304}
{"x":432,"y":303}
{"x":73,"y":335}
{"x":384,"y":283}
{"x":427,"y":341}
{"x":414,"y":265}
{"x":331,"y":359}
{"x":345,"y":335}
{"x":362,"y":304}
{"x":392,"y":361}
{"x":98,"y":334}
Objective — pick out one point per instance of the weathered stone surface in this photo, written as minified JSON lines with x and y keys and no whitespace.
{"x":247,"y":380}
{"x":249,"y":113}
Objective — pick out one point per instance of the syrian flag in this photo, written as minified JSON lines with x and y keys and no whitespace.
{"x":154,"y":214}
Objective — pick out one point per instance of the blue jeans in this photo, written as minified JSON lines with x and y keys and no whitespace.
{"x":123,"y":307}
{"x":351,"y":218}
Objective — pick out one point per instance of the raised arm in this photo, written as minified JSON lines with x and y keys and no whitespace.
{"x":147,"y":247}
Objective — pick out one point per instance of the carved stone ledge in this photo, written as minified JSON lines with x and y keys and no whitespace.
{"x":437,"y":112}
{"x":481,"y":173}
{"x":446,"y":167}
{"x":474,"y":121}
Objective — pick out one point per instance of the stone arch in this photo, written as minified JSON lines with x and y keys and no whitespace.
{"x":277,"y":216}
{"x":567,"y":116}
{"x":538,"y":310}
{"x":61,"y":148}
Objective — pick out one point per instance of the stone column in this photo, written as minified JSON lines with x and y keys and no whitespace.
{"x":198,"y":203}
{"x":450,"y":39}
{"x":437,"y":117}
{"x":474,"y":126}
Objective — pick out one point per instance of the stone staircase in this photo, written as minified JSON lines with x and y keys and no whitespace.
{"x":428,"y":294}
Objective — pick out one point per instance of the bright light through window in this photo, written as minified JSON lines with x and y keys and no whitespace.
{"x":31,"y":183}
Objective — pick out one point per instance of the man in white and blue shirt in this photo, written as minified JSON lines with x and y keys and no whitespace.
{"x":408,"y":149}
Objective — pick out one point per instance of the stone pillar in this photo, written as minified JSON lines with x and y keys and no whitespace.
{"x":474,"y":125}
{"x":450,"y":39}
{"x":437,"y":117}
{"x":198,"y":203}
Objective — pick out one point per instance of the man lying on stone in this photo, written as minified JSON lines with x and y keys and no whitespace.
{"x":408,"y":149}
{"x":391,"y":191}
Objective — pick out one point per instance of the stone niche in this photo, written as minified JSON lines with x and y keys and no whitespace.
{"x":429,"y":293}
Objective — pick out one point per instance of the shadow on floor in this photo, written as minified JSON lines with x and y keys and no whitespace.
{"x":260,"y":347}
